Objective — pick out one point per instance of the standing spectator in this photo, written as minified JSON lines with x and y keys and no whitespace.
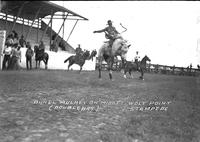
{"x":19,"y":55}
{"x":13,"y":60}
{"x":28,"y":44}
{"x":22,"y":41}
{"x":7,"y":54}
{"x":16,"y":57}
{"x":137,"y":57}
{"x":29,"y":55}
{"x":190,"y":67}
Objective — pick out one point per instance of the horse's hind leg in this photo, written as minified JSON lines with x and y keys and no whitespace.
{"x":125,"y":74}
{"x":36,"y":64}
{"x":45,"y":62}
{"x":80,"y":69}
{"x":100,"y":67}
{"x":99,"y":71}
{"x":39,"y":64}
{"x":69,"y":66}
{"x":130,"y":74}
{"x":46,"y":66}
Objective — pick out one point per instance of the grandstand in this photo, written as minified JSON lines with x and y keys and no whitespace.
{"x":27,"y":19}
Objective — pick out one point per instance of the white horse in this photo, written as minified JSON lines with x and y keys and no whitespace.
{"x":119,"y":48}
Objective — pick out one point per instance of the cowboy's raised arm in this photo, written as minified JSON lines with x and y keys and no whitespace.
{"x":100,"y":31}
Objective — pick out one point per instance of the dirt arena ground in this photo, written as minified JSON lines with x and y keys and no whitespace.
{"x":60,"y":106}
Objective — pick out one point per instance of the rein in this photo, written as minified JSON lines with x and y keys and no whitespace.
{"x":125,"y":29}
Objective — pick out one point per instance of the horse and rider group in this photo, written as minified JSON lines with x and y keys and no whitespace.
{"x":115,"y":46}
{"x":12,"y":52}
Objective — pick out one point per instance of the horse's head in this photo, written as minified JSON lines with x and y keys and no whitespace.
{"x":146,"y":58}
{"x":36,"y":47}
{"x":86,"y":54}
{"x":124,"y":48}
{"x":93,"y":54}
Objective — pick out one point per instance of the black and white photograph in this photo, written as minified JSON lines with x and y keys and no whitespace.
{"x":99,"y":71}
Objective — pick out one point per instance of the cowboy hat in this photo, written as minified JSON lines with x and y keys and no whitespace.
{"x":109,"y":21}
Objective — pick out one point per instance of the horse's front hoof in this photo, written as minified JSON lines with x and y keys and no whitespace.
{"x":125,"y":76}
{"x":141,"y":78}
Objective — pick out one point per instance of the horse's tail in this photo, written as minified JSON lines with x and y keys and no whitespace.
{"x":67,"y":59}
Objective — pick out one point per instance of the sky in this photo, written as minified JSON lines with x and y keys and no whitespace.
{"x":166,"y":31}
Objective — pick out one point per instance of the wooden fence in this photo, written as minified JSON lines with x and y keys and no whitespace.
{"x":156,"y":68}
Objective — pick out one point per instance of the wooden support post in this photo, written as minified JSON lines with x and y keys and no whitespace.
{"x":72,"y":30}
{"x":45,"y":30}
{"x":51,"y":28}
{"x":23,"y":27}
{"x":33,"y":22}
{"x":61,"y":27}
{"x":6,"y":25}
{"x":38,"y":26}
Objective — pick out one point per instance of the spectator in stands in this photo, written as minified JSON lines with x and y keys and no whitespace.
{"x":15,"y":37}
{"x":61,"y":44}
{"x":7,"y":54}
{"x":29,"y":55}
{"x":137,"y":57}
{"x":54,"y":46}
{"x":11,"y":36}
{"x":22,"y":41}
{"x":15,"y":34}
{"x":19,"y":57}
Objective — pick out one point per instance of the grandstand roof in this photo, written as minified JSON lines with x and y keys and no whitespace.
{"x":30,"y":9}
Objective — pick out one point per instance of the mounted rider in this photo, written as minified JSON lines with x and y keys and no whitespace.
{"x":78,"y":50}
{"x":110,"y":33}
{"x":41,"y":48}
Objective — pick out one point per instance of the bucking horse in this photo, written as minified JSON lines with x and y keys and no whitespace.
{"x":120,"y":48}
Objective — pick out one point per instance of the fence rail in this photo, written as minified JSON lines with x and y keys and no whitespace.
{"x":156,"y":68}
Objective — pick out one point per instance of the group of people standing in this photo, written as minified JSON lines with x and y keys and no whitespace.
{"x":12,"y":52}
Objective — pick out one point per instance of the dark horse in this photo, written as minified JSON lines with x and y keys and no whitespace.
{"x":79,"y":59}
{"x":41,"y":56}
{"x":130,"y":66}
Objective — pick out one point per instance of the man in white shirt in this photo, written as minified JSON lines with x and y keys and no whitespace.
{"x":137,"y":57}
